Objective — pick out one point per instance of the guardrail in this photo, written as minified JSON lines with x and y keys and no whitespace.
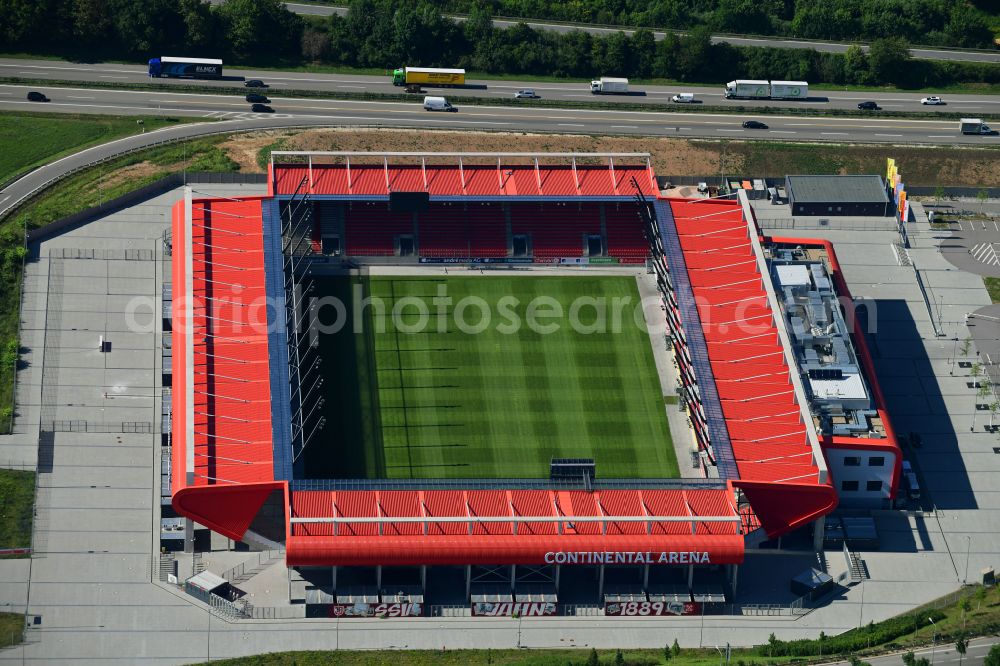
{"x":18,"y":203}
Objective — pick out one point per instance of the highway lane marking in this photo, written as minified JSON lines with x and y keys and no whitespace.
{"x":106,"y":76}
{"x":569,"y":125}
{"x":4,"y":199}
{"x":646,"y":116}
{"x":74,"y":97}
{"x":781,"y":132}
{"x":234,"y":101}
{"x":75,"y":69}
{"x":889,"y":135}
{"x":833,"y":133}
{"x":801,"y":124}
{"x":624,"y":127}
{"x":728,"y":130}
{"x":940,"y":136}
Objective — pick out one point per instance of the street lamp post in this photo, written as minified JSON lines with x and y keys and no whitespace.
{"x":934,"y":642}
{"x":968,"y":549}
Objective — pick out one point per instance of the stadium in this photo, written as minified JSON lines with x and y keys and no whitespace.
{"x":395,"y":455}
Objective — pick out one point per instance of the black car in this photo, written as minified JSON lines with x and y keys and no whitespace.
{"x":34,"y":96}
{"x":753,"y":124}
{"x":257,"y":98}
{"x":261,"y":108}
{"x":869,"y":106}
{"x":255,"y":83}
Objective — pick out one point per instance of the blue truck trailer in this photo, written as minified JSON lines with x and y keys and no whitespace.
{"x":185,"y":68}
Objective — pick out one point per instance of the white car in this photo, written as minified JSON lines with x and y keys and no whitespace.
{"x":527,"y":93}
{"x":933,"y":99}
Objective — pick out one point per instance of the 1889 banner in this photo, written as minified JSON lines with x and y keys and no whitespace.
{"x":651,"y":608}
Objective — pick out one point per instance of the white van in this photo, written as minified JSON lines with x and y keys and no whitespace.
{"x":437,"y":104}
{"x":683,"y":98}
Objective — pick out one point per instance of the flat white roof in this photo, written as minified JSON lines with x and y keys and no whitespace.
{"x":789,"y":83}
{"x":850,"y":387}
{"x":614,"y":79}
{"x":196,"y":61}
{"x":793,"y":275}
{"x":434,"y":70}
{"x":753,"y":82}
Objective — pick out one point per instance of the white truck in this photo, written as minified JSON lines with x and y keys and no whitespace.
{"x":975,"y":126}
{"x":609,"y":86}
{"x":758,"y":89}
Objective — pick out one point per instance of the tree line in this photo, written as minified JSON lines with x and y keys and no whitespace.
{"x":384,"y":34}
{"x":934,"y":22}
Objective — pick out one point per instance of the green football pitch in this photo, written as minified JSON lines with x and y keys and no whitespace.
{"x":499,"y":399}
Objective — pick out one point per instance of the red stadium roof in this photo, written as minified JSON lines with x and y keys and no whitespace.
{"x":782,"y":473}
{"x":457,"y":174}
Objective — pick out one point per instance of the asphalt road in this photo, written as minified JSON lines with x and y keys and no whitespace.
{"x":941,"y":653}
{"x":534,"y":119}
{"x":831,"y":47}
{"x":973,"y":105}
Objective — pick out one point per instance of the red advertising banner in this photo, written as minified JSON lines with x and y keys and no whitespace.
{"x":512,"y":608}
{"x":375,"y":610}
{"x":651,"y":608}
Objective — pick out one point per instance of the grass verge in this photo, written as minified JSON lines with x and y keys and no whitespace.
{"x":53,"y":136}
{"x":17,"y":497}
{"x":11,"y":629}
{"x":993,"y":287}
{"x":458,"y":100}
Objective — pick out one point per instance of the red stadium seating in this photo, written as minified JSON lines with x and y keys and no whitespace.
{"x":370,"y":229}
{"x":625,"y":237}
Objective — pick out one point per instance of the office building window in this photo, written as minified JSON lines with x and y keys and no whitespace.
{"x":852,"y":461}
{"x":848,"y":486}
{"x":873,"y":486}
{"x":876,"y":461}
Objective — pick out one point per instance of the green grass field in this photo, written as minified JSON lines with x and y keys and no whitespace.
{"x":55,"y":135}
{"x":17,"y":497}
{"x":500,"y":403}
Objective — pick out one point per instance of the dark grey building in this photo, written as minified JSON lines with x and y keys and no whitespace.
{"x":838,"y":195}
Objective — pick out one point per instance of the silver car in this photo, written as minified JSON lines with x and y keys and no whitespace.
{"x":527,"y":93}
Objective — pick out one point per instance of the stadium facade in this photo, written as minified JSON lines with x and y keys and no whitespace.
{"x":762,"y":383}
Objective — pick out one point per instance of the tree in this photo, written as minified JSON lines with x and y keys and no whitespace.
{"x":694,"y":56}
{"x":201,"y":27}
{"x":676,"y":649}
{"x":91,"y":23}
{"x":887,"y":59}
{"x":909,"y":659}
{"x":642,"y":51}
{"x":856,"y":68}
{"x":822,"y":637}
{"x":315,"y":45}
{"x":667,"y":652}
{"x":260,"y":28}
{"x":620,"y":659}
{"x":939,"y":193}
{"x":993,"y":656}
{"x":772,"y":642}
{"x":975,"y":371}
{"x":982,"y":195}
{"x":980,"y":596}
{"x":592,"y":658}
{"x":961,"y":646}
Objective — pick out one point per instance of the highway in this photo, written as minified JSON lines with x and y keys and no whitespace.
{"x":974,"y":105}
{"x":773,"y":42}
{"x":531,"y":119}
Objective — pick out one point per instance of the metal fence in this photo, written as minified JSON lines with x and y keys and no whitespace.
{"x":246,"y":570}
